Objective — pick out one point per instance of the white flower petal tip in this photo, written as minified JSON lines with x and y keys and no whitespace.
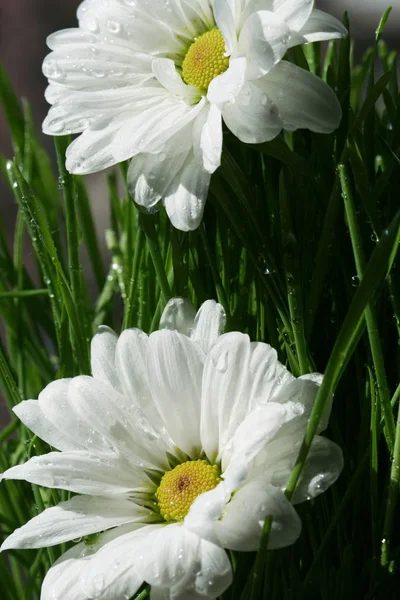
{"x":319,"y":27}
{"x":102,"y":353}
{"x":203,"y":327}
{"x":80,"y":516}
{"x":303,"y":100}
{"x":178,"y":315}
{"x":209,"y":323}
{"x":238,"y":526}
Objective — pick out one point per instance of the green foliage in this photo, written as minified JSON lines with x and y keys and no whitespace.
{"x":299,"y":243}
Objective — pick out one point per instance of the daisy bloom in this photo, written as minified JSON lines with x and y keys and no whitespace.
{"x":177,"y":448}
{"x":152,"y":81}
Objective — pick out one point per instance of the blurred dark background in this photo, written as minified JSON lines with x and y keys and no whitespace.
{"x":25,"y":24}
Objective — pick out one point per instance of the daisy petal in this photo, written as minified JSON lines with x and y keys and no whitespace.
{"x":31,"y":414}
{"x":91,"y":151}
{"x":102,"y":356}
{"x":63,"y":578}
{"x":319,"y":27}
{"x":213,"y":577}
{"x":225,"y":21}
{"x":130,"y":25}
{"x":186,"y":197}
{"x":175,"y":366}
{"x":258,"y":428}
{"x":76,"y":110}
{"x":150,"y":176}
{"x":207,"y":136}
{"x":223,"y":390}
{"x":151,"y":129}
{"x":158,"y":593}
{"x":215,"y":573}
{"x":208,"y":325}
{"x":178,"y":315}
{"x":227,"y":86}
{"x":264,"y":40}
{"x":294,"y":12}
{"x":117,"y":421}
{"x":267,"y":375}
{"x":137,"y":401}
{"x":55,"y":404}
{"x":79,"y":472}
{"x":304,"y":391}
{"x":130,"y":360}
{"x":302,"y":98}
{"x":67,"y":578}
{"x":323,"y":466}
{"x":162,"y":555}
{"x":73,"y":36}
{"x":252,"y":116}
{"x":80,"y":516}
{"x":238,"y":376}
{"x":165,"y":71}
{"x":240,"y":526}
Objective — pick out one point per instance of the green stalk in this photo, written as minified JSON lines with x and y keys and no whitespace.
{"x":147,"y":224}
{"x":293,"y":280}
{"x":223,"y":199}
{"x":67,"y":184}
{"x":8,"y":430}
{"x":370,"y":315}
{"x":257,"y":576}
{"x":222,"y":298}
{"x":23,"y":293}
{"x":89,"y":233}
{"x":54,"y":274}
{"x":20,"y":330}
{"x":349,"y":335}
{"x":8,"y":384}
{"x":334,"y":519}
{"x":134,"y":278}
{"x":392,"y":499}
{"x":41,"y":507}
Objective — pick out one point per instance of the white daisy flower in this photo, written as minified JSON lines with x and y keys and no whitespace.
{"x":154,"y":80}
{"x":178,"y":447}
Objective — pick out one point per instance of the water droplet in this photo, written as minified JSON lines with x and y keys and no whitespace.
{"x":113,"y":26}
{"x":318,"y":485}
{"x":90,"y":24}
{"x":51,"y":69}
{"x":57,"y":125}
{"x":222,"y":363}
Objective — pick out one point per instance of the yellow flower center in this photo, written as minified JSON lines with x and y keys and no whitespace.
{"x":205,"y":59}
{"x":180,"y":487}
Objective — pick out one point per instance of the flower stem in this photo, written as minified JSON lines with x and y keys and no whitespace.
{"x":147,"y":225}
{"x":380,"y":264}
{"x":392,"y":498}
{"x":134,"y":278}
{"x":370,"y":316}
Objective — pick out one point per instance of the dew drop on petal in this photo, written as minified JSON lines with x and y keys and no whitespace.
{"x":90,"y":24}
{"x":98,"y":586}
{"x":222,"y":363}
{"x":113,"y":26}
{"x":57,"y":125}
{"x":318,"y":485}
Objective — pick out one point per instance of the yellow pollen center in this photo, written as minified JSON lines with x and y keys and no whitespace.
{"x":205,"y":59}
{"x":180,"y":487}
